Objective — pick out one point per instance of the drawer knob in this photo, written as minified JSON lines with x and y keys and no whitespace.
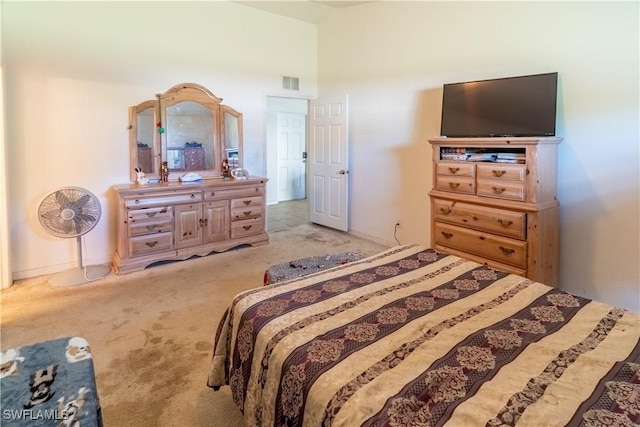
{"x":498,"y":173}
{"x":193,"y":196}
{"x":203,"y":222}
{"x":505,"y":223}
{"x":213,"y":193}
{"x":454,"y":170}
{"x":246,"y":202}
{"x":506,"y":251}
{"x":152,"y":244}
{"x":445,"y":210}
{"x":454,"y":185}
{"x":498,"y":190}
{"x":247,"y":227}
{"x":137,"y":202}
{"x":446,"y":235}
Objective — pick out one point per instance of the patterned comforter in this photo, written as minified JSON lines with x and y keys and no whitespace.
{"x":416,"y":337}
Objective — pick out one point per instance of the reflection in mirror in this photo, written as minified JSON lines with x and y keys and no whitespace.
{"x":230,"y":131}
{"x":145,"y":128}
{"x":190,"y":130}
{"x":231,"y":136}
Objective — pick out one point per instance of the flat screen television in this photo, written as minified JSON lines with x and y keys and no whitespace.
{"x":512,"y":106}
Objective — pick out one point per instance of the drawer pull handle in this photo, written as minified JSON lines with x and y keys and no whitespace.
{"x":137,"y":202}
{"x":446,"y":235}
{"x":247,"y":213}
{"x":505,"y":223}
{"x":247,"y":227}
{"x":498,"y":190}
{"x":203,"y":222}
{"x":445,"y":211}
{"x":454,"y":170}
{"x":152,"y":244}
{"x":213,"y":193}
{"x":151,"y":214}
{"x":193,"y":196}
{"x":454,"y":185}
{"x":151,"y":227}
{"x":246,"y":202}
{"x":498,"y":173}
{"x":507,"y":251}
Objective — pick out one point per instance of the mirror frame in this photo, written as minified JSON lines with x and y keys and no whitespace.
{"x":228,"y":110}
{"x":181,"y":93}
{"x":133,"y":140}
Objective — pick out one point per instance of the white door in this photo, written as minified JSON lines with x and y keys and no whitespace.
{"x":328,"y":163}
{"x":291,"y":156}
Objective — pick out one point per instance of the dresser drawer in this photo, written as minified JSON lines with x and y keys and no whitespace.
{"x":231,"y":193}
{"x":167,"y":199}
{"x":501,"y":249}
{"x":501,"y":189}
{"x":245,"y":202}
{"x":246,"y":227}
{"x":456,"y":185}
{"x":482,"y":218}
{"x":150,"y":214}
{"x":501,"y":171}
{"x":142,"y":245}
{"x":467,"y":170}
{"x":246,"y":212}
{"x":142,"y":228}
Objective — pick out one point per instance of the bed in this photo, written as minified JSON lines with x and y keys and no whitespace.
{"x":417,"y":337}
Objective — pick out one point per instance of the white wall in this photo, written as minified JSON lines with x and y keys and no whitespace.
{"x":72,"y":69}
{"x":393,"y":57}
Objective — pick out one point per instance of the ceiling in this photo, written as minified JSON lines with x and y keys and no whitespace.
{"x":312,"y":11}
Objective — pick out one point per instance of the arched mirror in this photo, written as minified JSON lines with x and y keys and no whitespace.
{"x":189,"y":129}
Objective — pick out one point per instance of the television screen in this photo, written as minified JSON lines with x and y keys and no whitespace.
{"x":513,"y":106}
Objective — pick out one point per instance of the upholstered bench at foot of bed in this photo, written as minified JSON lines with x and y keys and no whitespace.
{"x":50,"y":383}
{"x":305,"y":266}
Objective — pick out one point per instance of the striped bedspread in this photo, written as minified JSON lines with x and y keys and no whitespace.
{"x":416,"y":337}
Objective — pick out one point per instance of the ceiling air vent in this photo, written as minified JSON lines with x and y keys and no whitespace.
{"x":290,"y":83}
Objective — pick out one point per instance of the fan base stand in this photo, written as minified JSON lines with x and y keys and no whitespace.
{"x":76,"y":276}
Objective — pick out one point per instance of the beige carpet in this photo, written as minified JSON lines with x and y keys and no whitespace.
{"x":151,"y":332}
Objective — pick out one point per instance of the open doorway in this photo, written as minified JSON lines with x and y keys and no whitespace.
{"x":286,"y":162}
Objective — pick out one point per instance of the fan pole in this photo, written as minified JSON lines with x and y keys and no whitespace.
{"x":79,"y":246}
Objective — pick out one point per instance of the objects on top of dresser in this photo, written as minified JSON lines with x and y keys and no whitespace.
{"x":482,"y":155}
{"x":494,"y":201}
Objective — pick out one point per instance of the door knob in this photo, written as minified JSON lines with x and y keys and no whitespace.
{"x":342,"y":172}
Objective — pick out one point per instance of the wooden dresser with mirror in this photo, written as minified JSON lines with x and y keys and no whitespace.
{"x":190,"y":129}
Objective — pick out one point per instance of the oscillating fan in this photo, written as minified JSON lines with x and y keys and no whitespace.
{"x":72,"y":212}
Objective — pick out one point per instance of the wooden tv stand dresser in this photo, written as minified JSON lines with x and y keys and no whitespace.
{"x":494,"y":201}
{"x":174,"y":221}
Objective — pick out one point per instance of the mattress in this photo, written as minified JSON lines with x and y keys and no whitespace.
{"x":416,"y":337}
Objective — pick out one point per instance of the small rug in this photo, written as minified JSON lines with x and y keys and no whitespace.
{"x":305,"y":266}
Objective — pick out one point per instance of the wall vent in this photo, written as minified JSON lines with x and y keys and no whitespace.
{"x":290,"y":83}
